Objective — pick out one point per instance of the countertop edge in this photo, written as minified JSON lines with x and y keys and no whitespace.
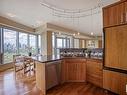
{"x":95,"y":59}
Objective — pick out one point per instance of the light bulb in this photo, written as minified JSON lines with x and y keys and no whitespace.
{"x":91,"y":33}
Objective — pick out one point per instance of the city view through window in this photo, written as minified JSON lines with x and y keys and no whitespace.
{"x":13,"y":42}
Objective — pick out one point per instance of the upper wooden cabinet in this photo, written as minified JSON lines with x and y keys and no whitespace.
{"x":126,"y":12}
{"x":115,"y":14}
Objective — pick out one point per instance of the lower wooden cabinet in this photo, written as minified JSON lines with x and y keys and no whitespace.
{"x":94,"y":72}
{"x":74,"y":70}
{"x":115,"y":82}
{"x":82,"y":70}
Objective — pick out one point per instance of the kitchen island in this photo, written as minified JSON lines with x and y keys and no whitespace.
{"x":55,"y":70}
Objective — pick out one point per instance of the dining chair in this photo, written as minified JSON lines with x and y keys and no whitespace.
{"x":29,"y":63}
{"x":18,"y":62}
{"x":21,"y":63}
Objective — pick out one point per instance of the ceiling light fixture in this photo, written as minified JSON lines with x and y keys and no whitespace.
{"x":69,"y":13}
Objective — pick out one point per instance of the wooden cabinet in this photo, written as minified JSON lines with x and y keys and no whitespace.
{"x":74,"y":70}
{"x":115,"y":82}
{"x":114,"y":14}
{"x":115,"y":47}
{"x":111,"y":81}
{"x":126,"y":12}
{"x":122,"y":49}
{"x":111,"y":46}
{"x":100,"y":44}
{"x":94,"y":72}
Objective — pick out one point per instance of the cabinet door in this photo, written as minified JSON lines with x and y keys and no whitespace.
{"x":81,"y":72}
{"x":122,"y":85}
{"x":64,"y":71}
{"x":114,"y":15}
{"x":122,"y":49}
{"x":120,"y":13}
{"x":68,"y":70}
{"x":115,"y":82}
{"x":116,"y":47}
{"x":94,"y":72}
{"x":126,"y":12}
{"x":111,"y":47}
{"x":71,"y":71}
{"x":74,"y":70}
{"x":111,"y":81}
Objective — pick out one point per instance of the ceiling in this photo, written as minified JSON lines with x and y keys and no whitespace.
{"x":33,"y":14}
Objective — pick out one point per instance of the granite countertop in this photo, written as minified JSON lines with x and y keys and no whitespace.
{"x":46,"y":58}
{"x":51,"y":58}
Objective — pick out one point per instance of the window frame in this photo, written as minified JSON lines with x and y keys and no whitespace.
{"x":1,"y":44}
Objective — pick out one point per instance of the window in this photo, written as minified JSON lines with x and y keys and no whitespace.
{"x":1,"y":45}
{"x":14,"y":42}
{"x":76,"y":43}
{"x":68,"y":43}
{"x":92,"y":43}
{"x":23,"y":43}
{"x":33,"y":46}
{"x":39,"y":44}
{"x":60,"y":41}
{"x":10,"y":48}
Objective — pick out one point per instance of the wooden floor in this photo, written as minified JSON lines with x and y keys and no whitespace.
{"x":77,"y":89}
{"x":26,"y":85}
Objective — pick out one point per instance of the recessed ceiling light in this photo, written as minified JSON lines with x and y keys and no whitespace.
{"x":59,"y":33}
{"x":11,"y":15}
{"x":91,"y":33}
{"x":74,"y":34}
{"x":38,"y":22}
{"x":78,"y":33}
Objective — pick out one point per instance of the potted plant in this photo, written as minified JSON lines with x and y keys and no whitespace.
{"x":29,"y":49}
